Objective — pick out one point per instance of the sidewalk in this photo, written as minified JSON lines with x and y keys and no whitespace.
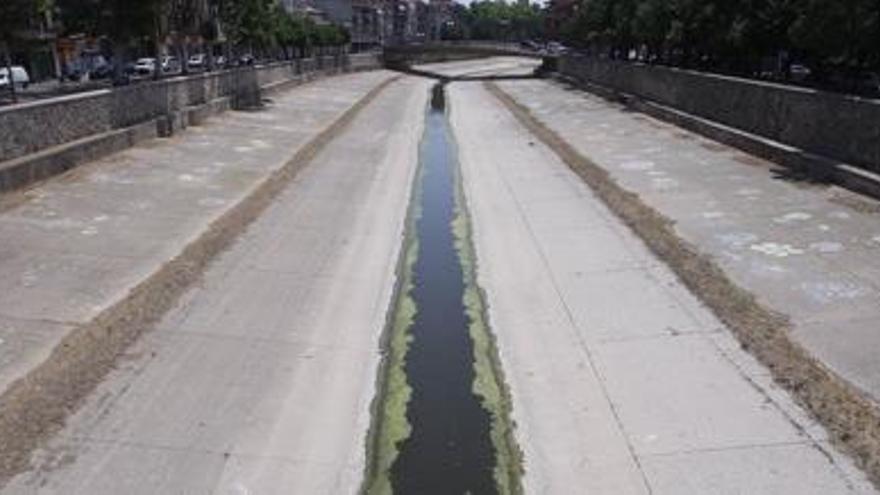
{"x":622,"y":382}
{"x":77,"y":245}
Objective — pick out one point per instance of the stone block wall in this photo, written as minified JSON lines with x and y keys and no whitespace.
{"x":836,"y":126}
{"x":31,"y":127}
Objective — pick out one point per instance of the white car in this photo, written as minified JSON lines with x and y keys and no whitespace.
{"x":170,"y":64}
{"x":197,"y":61}
{"x":799,"y":72}
{"x":556,"y":48}
{"x":19,"y":76}
{"x":145,"y":66}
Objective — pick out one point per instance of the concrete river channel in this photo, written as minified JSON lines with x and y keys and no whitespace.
{"x":441,"y":418}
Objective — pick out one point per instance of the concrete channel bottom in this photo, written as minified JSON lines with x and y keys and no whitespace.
{"x":260,"y":379}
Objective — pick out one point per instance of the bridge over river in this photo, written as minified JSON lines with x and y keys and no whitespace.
{"x":461,"y":278}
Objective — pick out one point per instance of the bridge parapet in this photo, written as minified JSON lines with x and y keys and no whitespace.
{"x":403,"y":55}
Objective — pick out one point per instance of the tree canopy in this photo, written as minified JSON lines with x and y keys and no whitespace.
{"x":496,"y":20}
{"x":261,"y":25}
{"x":732,"y":34}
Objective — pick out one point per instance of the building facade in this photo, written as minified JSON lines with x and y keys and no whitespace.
{"x":366,"y":25}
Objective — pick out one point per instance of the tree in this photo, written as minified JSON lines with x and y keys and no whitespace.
{"x":499,"y":20}
{"x":125,"y":23}
{"x":15,"y":16}
{"x":248,"y":22}
{"x":734,"y":35}
{"x":183,"y":19}
{"x":841,"y":33}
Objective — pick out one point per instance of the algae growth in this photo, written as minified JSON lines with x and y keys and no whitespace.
{"x":391,"y":432}
{"x":489,"y":382}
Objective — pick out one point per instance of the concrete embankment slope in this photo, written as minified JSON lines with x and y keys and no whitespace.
{"x":91,"y":259}
{"x":622,"y":382}
{"x":798,"y":261}
{"x":260,"y":380}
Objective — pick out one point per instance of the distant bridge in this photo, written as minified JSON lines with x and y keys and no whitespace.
{"x":402,"y":57}
{"x":441,"y":51}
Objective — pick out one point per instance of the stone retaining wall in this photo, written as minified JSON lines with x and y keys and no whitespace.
{"x":836,"y":126}
{"x":32,"y":127}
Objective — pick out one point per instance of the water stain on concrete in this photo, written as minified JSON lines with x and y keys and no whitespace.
{"x":827,"y":247}
{"x":637,"y":165}
{"x":797,"y":216}
{"x":779,"y":250}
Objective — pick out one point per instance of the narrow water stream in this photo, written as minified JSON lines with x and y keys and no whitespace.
{"x":441,"y":417}
{"x":449,"y":449}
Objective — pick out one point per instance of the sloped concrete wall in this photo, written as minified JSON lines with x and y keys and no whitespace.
{"x":839,"y":127}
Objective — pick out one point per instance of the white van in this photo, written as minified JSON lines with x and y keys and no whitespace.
{"x":19,"y":76}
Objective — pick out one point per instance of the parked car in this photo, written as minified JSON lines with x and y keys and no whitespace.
{"x":556,"y":48}
{"x":799,"y":72}
{"x":246,"y":59}
{"x":197,"y":61}
{"x":145,"y":66}
{"x":220,"y":62}
{"x":170,"y":64}
{"x":19,"y":77}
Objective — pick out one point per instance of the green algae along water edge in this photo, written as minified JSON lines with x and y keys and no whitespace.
{"x":441,"y":419}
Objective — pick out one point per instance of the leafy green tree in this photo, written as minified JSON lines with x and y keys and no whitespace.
{"x":124,"y":22}
{"x":248,"y":23}
{"x":499,"y":20}
{"x":842,"y":33}
{"x":15,"y":15}
{"x":733,"y":35}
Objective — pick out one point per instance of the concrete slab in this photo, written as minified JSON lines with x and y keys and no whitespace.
{"x":67,"y":288}
{"x":805,"y":250}
{"x":755,"y":470}
{"x":261,"y":379}
{"x":76,"y":244}
{"x":166,"y":470}
{"x":25,"y":344}
{"x":618,"y":415}
{"x":843,"y":343}
{"x":612,"y":299}
{"x":676,"y":394}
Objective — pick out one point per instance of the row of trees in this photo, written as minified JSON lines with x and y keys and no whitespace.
{"x":496,"y":20}
{"x":734,"y":35}
{"x":260,"y":27}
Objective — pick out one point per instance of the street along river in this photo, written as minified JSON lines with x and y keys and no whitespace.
{"x":441,"y":422}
